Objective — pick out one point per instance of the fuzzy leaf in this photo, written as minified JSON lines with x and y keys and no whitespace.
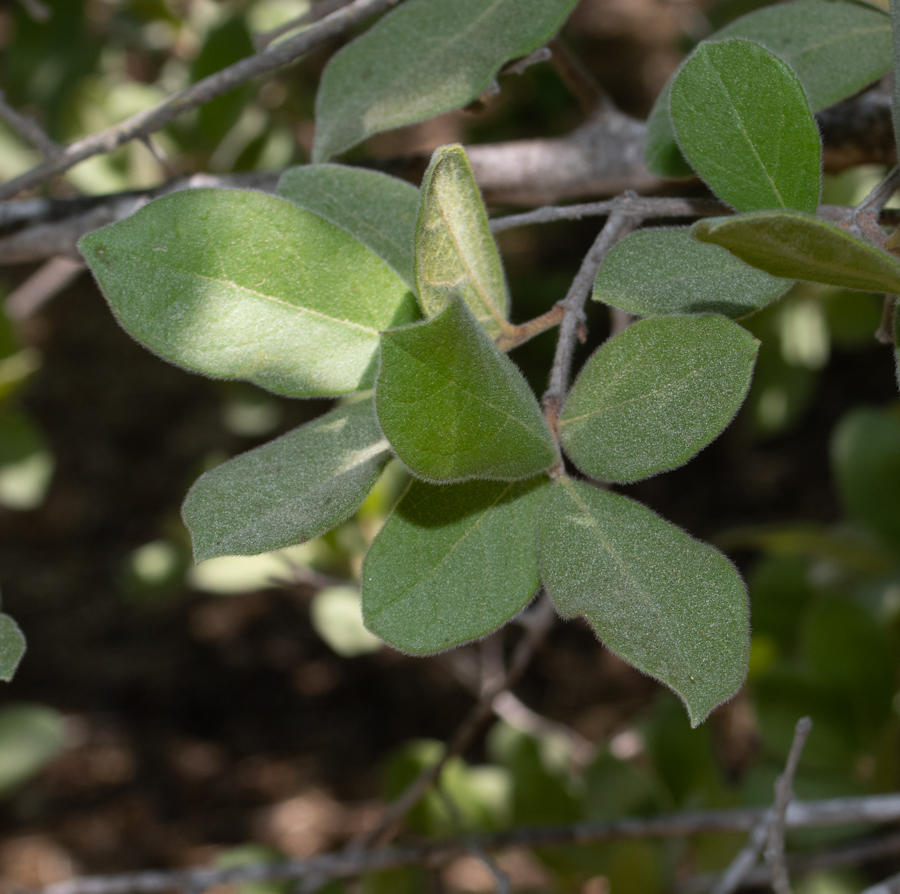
{"x":650,"y":398}
{"x":800,"y":246}
{"x":834,"y":48}
{"x":452,"y":563}
{"x":243,"y":285}
{"x":378,"y":210}
{"x":665,"y":271}
{"x":424,"y":58}
{"x":12,"y":647}
{"x":744,"y":123}
{"x":895,"y":55}
{"x":454,"y":407}
{"x":455,"y":251}
{"x":672,"y":606}
{"x":290,"y":490}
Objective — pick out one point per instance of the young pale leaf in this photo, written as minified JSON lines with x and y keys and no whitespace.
{"x":654,"y":395}
{"x":12,"y":647}
{"x":243,"y":285}
{"x":378,"y":210}
{"x":672,"y":606}
{"x":452,"y":563}
{"x":424,"y":58}
{"x":454,"y":407}
{"x":800,"y":246}
{"x":744,"y":123}
{"x":455,"y":251}
{"x":290,"y":490}
{"x":834,"y":48}
{"x":665,"y":271}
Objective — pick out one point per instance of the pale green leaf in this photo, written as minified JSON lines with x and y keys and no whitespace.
{"x":834,"y":48}
{"x":424,"y":58}
{"x":244,"y":285}
{"x":800,"y":246}
{"x":336,"y":615}
{"x":378,"y":210}
{"x":895,"y":53}
{"x":650,"y":398}
{"x":452,"y":563}
{"x":744,"y":123}
{"x":453,"y":407}
{"x":30,"y":737}
{"x":670,"y":605}
{"x":664,"y":271}
{"x":12,"y":647}
{"x":455,"y":251}
{"x":290,"y":490}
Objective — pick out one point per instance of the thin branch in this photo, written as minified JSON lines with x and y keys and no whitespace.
{"x":741,"y":866}
{"x":501,"y":880}
{"x":43,"y":285}
{"x":351,"y":863}
{"x":145,"y":123}
{"x":28,"y":129}
{"x":520,"y":66}
{"x":784,"y":794}
{"x":573,"y":73}
{"x":315,"y":13}
{"x":888,"y":886}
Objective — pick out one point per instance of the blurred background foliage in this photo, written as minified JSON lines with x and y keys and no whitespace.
{"x":231,"y":698}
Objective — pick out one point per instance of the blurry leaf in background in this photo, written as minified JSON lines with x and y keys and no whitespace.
{"x":30,"y":737}
{"x":614,"y":788}
{"x":12,"y":647}
{"x":26,"y":464}
{"x":228,"y":575}
{"x":336,"y":615}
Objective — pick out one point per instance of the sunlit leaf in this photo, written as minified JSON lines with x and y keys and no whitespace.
{"x":290,"y":490}
{"x":30,"y":737}
{"x":452,"y":563}
{"x":12,"y":647}
{"x":744,"y":123}
{"x":243,"y":285}
{"x":424,"y":58}
{"x":672,"y":606}
{"x":453,"y":407}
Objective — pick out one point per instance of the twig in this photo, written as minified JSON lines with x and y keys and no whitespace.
{"x":28,"y":128}
{"x":315,"y":13}
{"x":581,"y":83}
{"x":44,"y":284}
{"x":501,"y":880}
{"x":888,"y":886}
{"x":148,"y":122}
{"x":746,"y":859}
{"x":468,"y":729}
{"x":348,"y":864}
{"x":535,"y":57}
{"x":784,"y":794}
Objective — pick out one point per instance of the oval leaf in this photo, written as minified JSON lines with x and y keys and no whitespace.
{"x":654,"y":395}
{"x":452,"y":563}
{"x":665,"y":271}
{"x":30,"y":737}
{"x":801,"y":246}
{"x":455,"y":251}
{"x":424,"y":58}
{"x":454,"y":407}
{"x":12,"y":647}
{"x":243,"y":285}
{"x":744,"y":123}
{"x":378,"y":210}
{"x":290,"y":490}
{"x":673,"y":607}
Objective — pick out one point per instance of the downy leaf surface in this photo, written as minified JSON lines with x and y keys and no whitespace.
{"x":242,"y":285}
{"x":455,"y":251}
{"x":424,"y":58}
{"x":663,"y":270}
{"x":834,"y":48}
{"x":12,"y":647}
{"x":650,"y":398}
{"x":744,"y":123}
{"x":801,"y":246}
{"x":895,"y":55}
{"x":378,"y":210}
{"x":453,"y":407}
{"x":670,"y":605}
{"x":290,"y":490}
{"x":452,"y":563}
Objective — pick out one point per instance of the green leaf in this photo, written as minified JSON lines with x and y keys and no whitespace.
{"x":895,"y":55}
{"x":452,"y":563}
{"x":455,"y":251}
{"x":12,"y":647}
{"x":424,"y":58}
{"x":290,"y":490}
{"x":30,"y":737}
{"x":800,"y":246}
{"x":454,"y":407}
{"x":242,"y":285}
{"x":744,"y":123}
{"x":834,"y":48}
{"x":664,"y":271}
{"x":673,"y":607}
{"x":650,"y":398}
{"x":378,"y":210}
{"x":865,"y":460}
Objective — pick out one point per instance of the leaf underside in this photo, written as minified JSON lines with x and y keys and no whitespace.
{"x":12,"y":647}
